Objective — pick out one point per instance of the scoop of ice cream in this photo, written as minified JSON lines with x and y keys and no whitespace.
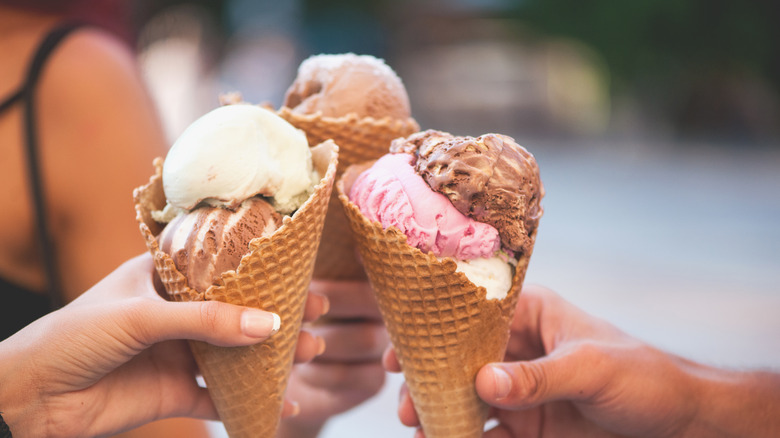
{"x":338,"y":85}
{"x":391,"y":193}
{"x":208,"y":241}
{"x":235,"y":152}
{"x":490,"y":178}
{"x":494,"y":274}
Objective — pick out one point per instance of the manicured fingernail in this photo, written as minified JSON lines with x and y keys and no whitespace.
{"x":296,"y":408}
{"x":320,"y":346}
{"x":325,"y":305}
{"x":503,"y":382}
{"x":259,"y":324}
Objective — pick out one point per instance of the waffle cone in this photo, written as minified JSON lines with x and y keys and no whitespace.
{"x":441,"y":325}
{"x":359,"y":140}
{"x":247,"y":384}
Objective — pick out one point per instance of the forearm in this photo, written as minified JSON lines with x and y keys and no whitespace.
{"x":737,"y":404}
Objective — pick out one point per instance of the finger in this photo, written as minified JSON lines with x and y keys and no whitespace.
{"x":525,"y":342}
{"x":316,"y":306}
{"x":527,"y":423}
{"x":198,"y":404}
{"x":406,"y":412}
{"x":328,"y":389}
{"x":575,"y":373}
{"x":352,"y":341}
{"x":498,"y":432}
{"x":142,"y":267}
{"x":348,"y":299}
{"x":390,"y":361}
{"x":151,"y":320}
{"x":290,"y":408}
{"x":203,"y":406}
{"x":144,"y":394}
{"x":543,"y":320}
{"x":368,"y":377}
{"x":308,"y":347}
{"x":132,"y":278}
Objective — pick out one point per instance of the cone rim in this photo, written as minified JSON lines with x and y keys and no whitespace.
{"x":351,"y":118}
{"x":348,"y":177}
{"x":328,"y":147}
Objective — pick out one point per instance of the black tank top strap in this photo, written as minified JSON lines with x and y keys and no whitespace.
{"x":11,"y":100}
{"x":29,"y":91}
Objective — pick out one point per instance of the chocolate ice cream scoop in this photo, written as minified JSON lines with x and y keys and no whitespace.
{"x":338,"y":85}
{"x":208,"y":241}
{"x":490,"y":178}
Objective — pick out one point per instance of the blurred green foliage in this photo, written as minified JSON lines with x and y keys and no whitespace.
{"x":664,"y":37}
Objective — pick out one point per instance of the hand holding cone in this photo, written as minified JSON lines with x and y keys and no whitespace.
{"x":247,"y":384}
{"x":441,"y":325}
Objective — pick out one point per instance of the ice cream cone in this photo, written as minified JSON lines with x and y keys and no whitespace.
{"x":359,"y":140}
{"x":441,"y":325}
{"x":247,"y":384}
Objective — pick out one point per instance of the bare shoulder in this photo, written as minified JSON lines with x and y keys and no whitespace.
{"x":99,"y":132}
{"x":94,"y":76}
{"x":93,"y":103}
{"x":92,"y":59}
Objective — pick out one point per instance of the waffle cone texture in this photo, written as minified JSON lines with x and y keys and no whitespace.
{"x":359,"y":140}
{"x":441,"y":325}
{"x":247,"y":384}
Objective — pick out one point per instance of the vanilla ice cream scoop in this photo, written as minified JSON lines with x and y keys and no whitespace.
{"x":235,"y":152}
{"x":494,"y":274}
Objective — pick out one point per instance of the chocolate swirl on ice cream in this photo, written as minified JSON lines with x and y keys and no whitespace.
{"x":213,"y":177}
{"x":211,"y":240}
{"x":489,"y":178}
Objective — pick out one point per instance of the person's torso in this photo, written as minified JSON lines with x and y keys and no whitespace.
{"x":20,"y":262}
{"x":23,"y":279}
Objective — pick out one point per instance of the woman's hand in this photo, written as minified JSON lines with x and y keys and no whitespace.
{"x":350,"y":370}
{"x":112,"y":359}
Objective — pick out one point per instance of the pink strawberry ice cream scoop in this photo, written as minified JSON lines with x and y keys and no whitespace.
{"x":489,"y":178}
{"x":476,"y":200}
{"x":393,"y":194}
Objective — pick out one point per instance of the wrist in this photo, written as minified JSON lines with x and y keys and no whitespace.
{"x":736,"y":404}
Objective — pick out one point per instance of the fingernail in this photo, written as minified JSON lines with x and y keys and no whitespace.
{"x":296,"y":408}
{"x":325,"y":305}
{"x":321,"y":346}
{"x":402,"y":394}
{"x":503,"y":382}
{"x":259,"y":324}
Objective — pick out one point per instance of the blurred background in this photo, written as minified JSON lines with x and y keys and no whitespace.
{"x":656,"y":124}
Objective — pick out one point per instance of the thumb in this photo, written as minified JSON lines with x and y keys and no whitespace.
{"x":525,"y":384}
{"x":217,"y":323}
{"x":154,"y":319}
